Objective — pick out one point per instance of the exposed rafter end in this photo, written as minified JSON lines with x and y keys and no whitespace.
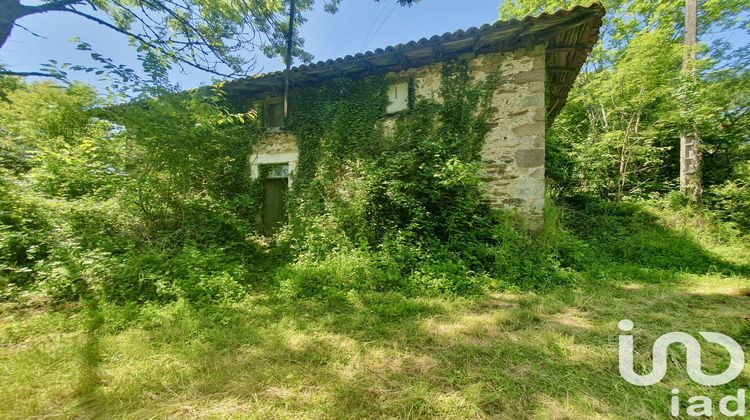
{"x":405,"y":62}
{"x":478,"y":43}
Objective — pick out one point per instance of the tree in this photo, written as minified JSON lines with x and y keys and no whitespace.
{"x":219,"y":37}
{"x":615,"y":120}
{"x":211,"y":36}
{"x":690,"y":155}
{"x":632,"y":73}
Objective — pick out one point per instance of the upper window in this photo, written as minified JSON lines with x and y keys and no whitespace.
{"x":398,"y":97}
{"x":274,"y":113}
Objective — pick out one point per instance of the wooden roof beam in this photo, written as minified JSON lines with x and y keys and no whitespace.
{"x":515,"y":38}
{"x":438,"y":52}
{"x":478,"y":43}
{"x":405,"y":62}
{"x":566,"y":25}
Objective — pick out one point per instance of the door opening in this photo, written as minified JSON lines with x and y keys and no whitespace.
{"x":275,"y":187}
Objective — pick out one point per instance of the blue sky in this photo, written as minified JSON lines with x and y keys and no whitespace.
{"x":326,"y":36}
{"x":360,"y":25}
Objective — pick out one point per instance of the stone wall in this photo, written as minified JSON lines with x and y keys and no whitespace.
{"x":513,"y":153}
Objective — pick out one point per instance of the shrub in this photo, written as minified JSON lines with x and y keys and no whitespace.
{"x":196,"y":274}
{"x":338,"y":273}
{"x":24,"y":233}
{"x":446,"y":277}
{"x":731,"y":203}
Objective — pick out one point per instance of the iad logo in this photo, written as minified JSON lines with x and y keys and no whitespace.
{"x":700,"y":405}
{"x":693,"y":350}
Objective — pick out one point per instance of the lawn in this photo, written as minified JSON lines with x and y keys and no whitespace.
{"x":502,"y":355}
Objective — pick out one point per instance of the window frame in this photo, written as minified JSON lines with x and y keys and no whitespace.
{"x":406,"y":105}
{"x":277,"y":101}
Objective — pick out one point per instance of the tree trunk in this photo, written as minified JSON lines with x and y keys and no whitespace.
{"x":10,"y":11}
{"x":624,"y":157}
{"x":289,"y":56}
{"x":690,"y":157}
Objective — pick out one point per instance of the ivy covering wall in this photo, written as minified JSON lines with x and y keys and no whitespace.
{"x":414,"y":170}
{"x":155,"y":200}
{"x":395,"y":197}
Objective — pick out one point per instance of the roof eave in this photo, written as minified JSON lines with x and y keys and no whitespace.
{"x":569,"y":35}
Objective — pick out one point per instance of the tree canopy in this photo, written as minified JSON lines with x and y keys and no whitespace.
{"x":618,"y":137}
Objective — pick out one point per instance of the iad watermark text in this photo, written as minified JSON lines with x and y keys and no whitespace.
{"x":730,"y":405}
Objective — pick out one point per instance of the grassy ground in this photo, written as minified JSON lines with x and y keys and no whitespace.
{"x":505,"y":355}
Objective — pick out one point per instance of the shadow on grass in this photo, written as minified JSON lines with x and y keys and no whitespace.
{"x":627,"y":241}
{"x":387,"y":355}
{"x":89,"y":381}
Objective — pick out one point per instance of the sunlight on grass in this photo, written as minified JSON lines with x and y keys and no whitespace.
{"x":506,"y":355}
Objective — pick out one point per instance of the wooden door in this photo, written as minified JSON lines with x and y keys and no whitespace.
{"x":274,"y":204}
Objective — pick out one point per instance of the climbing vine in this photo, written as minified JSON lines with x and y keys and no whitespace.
{"x":394,"y":201}
{"x":402,"y":188}
{"x":336,"y":121}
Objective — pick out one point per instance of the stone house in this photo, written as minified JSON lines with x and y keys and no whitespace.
{"x":539,"y":59}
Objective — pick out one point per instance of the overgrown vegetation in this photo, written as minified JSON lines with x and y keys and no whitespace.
{"x":165,"y":303}
{"x":618,"y":136}
{"x":134,"y":280}
{"x":94,"y":203}
{"x":510,"y":354}
{"x":400,"y":208}
{"x":153,"y":200}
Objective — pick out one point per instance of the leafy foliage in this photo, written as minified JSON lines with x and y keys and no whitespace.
{"x":153,"y":200}
{"x":731,"y":202}
{"x":618,"y":138}
{"x":113,"y":201}
{"x":217,"y":37}
{"x":399,"y":207}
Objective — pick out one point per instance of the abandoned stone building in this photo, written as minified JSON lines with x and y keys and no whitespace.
{"x":539,"y":59}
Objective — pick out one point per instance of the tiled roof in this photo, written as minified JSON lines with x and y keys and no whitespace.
{"x":568,"y":34}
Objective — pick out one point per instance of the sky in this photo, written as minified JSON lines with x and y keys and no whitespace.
{"x":360,"y":25}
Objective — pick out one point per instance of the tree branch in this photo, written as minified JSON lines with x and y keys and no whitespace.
{"x":27,"y":73}
{"x":145,"y":41}
{"x":29,"y":31}
{"x":55,"y":6}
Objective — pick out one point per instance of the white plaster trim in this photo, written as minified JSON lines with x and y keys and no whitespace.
{"x":271,"y":158}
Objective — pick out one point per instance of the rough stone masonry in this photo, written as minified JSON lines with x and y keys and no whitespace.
{"x":538,"y":59}
{"x":512,"y":167}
